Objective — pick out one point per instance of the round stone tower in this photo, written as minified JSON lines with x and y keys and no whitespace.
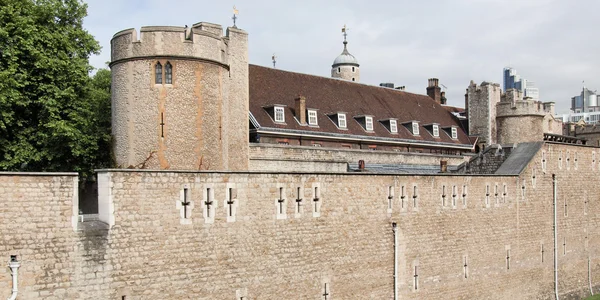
{"x":180,"y":98}
{"x":519,"y":120}
{"x":345,"y":66}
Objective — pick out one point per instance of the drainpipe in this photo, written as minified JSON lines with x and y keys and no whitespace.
{"x":554,"y":186}
{"x":14,"y":270}
{"x":590,"y":275}
{"x":395,"y":229}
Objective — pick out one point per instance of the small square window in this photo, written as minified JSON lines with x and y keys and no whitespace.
{"x":369,"y":123}
{"x":393,"y":126}
{"x":415,"y":128}
{"x":454,"y":133}
{"x":312,"y":117}
{"x":279,"y":114}
{"x":436,"y":131}
{"x":342,"y":120}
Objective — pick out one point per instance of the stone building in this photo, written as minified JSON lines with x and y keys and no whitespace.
{"x":198,"y":211}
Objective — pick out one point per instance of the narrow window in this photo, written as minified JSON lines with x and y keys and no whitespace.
{"x":168,"y":73}
{"x":594,"y":160}
{"x":158,"y":73}
{"x":312,"y":117}
{"x":576,"y":161}
{"x":390,"y":197}
{"x":231,"y":205}
{"x":415,"y":128}
{"x":339,"y":69}
{"x":487,"y":195}
{"x":566,"y":208}
{"x":393,"y":126}
{"x":279,"y":114}
{"x":353,"y":79}
{"x":369,"y":123}
{"x":564,"y":246}
{"x":436,"y":131}
{"x":504,"y":193}
{"x":560,"y":154}
{"x":353,"y":69}
{"x":585,"y":205}
{"x":416,"y":276}
{"x":496,"y":194}
{"x":508,"y":259}
{"x":453,"y":196}
{"x":317,"y":202}
{"x":342,"y":120}
{"x":209,"y":206}
{"x":415,"y":197}
{"x":185,"y":203}
{"x":402,"y":197}
{"x":281,"y":204}
{"x":542,"y":252}
{"x":443,"y":195}
{"x":533,"y":176}
{"x":454,"y":133}
{"x":465,"y":267}
{"x":464,"y":195}
{"x":544,"y":161}
{"x":298,"y":201}
{"x":568,"y":160}
{"x":523,"y":190}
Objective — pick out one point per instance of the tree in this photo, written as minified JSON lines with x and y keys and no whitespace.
{"x":50,"y":108}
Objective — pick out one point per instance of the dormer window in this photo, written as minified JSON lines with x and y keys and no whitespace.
{"x":279,"y":114}
{"x":341,"y":120}
{"x":369,"y":123}
{"x":454,"y":133}
{"x":393,"y":126}
{"x":415,"y":128}
{"x":312,"y":117}
{"x":436,"y":130}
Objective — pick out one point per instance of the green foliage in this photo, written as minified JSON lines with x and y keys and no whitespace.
{"x":53,"y":116}
{"x":595,"y":297}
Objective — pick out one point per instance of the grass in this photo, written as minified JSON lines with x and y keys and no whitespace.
{"x":595,"y":297}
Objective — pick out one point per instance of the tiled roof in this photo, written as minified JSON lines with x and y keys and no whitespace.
{"x":270,"y":86}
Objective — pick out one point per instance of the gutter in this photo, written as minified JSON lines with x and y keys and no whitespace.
{"x":395,"y":230}
{"x":14,"y":265}
{"x":554,"y":186}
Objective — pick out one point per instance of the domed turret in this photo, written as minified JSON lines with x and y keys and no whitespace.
{"x":345,"y":66}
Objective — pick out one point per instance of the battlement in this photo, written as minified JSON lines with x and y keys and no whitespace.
{"x":202,"y":40}
{"x":512,"y":104}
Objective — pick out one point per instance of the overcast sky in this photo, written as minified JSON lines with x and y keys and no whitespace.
{"x":553,"y":43}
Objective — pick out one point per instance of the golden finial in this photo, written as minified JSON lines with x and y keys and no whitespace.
{"x":235,"y":13}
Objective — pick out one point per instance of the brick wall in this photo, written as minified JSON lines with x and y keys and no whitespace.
{"x":152,"y":251}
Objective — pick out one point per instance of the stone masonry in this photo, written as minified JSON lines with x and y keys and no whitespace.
{"x":501,"y":229}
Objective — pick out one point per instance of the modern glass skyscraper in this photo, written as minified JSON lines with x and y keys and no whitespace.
{"x":512,"y":80}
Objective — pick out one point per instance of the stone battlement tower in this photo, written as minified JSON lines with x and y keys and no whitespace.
{"x":481,"y":106}
{"x":520,"y":120}
{"x":180,"y":98}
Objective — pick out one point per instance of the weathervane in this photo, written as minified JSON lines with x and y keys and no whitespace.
{"x":345,"y":32}
{"x":274,"y":58}
{"x":235,"y":13}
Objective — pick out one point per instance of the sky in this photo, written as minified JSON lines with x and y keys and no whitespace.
{"x":553,"y":43}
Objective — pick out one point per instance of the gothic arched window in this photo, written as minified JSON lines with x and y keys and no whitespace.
{"x":158,"y":73}
{"x":168,"y":73}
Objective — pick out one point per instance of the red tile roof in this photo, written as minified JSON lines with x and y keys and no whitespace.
{"x":270,"y":86}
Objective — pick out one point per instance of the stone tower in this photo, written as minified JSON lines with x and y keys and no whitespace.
{"x":345,"y":66}
{"x":180,"y":98}
{"x":481,"y":101}
{"x":520,"y":120}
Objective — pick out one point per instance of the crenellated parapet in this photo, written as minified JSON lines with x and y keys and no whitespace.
{"x":512,"y":104}
{"x":201,"y":41}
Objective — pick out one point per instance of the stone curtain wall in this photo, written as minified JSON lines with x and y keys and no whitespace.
{"x":306,"y":158}
{"x":261,"y":252}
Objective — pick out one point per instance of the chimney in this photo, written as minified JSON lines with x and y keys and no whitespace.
{"x":361,"y":165}
{"x":387,"y":85}
{"x":443,"y":166}
{"x":433,"y":90}
{"x":467,"y":103}
{"x":300,"y":109}
{"x":401,"y":88}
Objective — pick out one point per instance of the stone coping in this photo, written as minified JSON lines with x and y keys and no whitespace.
{"x":38,"y":173}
